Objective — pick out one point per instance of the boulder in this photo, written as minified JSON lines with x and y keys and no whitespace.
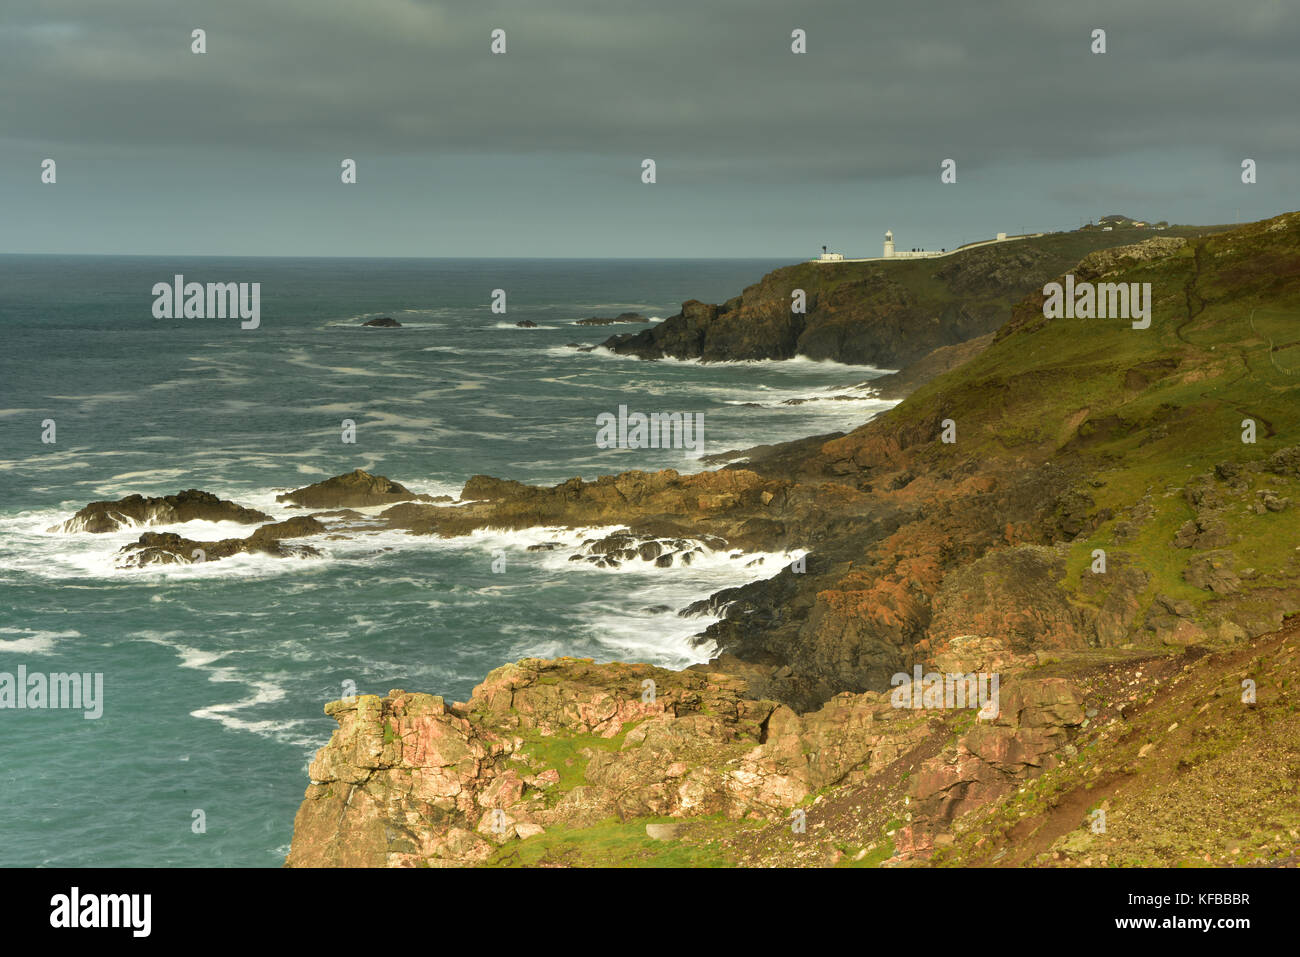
{"x":355,"y":489}
{"x":191,"y":505}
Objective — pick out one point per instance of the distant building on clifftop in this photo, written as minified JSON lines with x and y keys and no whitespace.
{"x":891,"y":252}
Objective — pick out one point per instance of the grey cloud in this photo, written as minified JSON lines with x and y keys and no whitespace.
{"x":881,"y":91}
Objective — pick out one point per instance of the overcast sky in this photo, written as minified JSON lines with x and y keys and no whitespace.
{"x":537,"y":152}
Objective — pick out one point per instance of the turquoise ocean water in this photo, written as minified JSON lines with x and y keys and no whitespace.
{"x":215,"y":675}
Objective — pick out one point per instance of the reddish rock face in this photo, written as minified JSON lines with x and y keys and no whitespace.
{"x":407,"y":780}
{"x":1035,"y":720}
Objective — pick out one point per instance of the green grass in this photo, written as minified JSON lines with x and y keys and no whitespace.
{"x":564,"y":753}
{"x":615,"y":843}
{"x":882,"y":852}
{"x":1061,"y":389}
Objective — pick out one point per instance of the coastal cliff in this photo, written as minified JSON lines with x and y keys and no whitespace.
{"x":884,"y":314}
{"x":1101,"y":515}
{"x":1122,"y":760}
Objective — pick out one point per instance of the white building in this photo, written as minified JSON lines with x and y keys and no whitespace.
{"x":891,"y":253}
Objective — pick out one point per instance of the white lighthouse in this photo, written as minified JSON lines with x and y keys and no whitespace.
{"x":889,"y":243}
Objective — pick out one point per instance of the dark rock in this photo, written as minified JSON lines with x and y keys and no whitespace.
{"x":1202,"y":533}
{"x":383,"y":322}
{"x":168,"y":548}
{"x":1285,"y":462}
{"x":903,"y":479}
{"x":858,"y":312}
{"x":356,"y":489}
{"x":605,"y":321}
{"x":1213,"y":571}
{"x":191,"y":505}
{"x":1270,"y":501}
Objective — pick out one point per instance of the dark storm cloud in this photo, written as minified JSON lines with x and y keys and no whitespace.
{"x":885,"y":89}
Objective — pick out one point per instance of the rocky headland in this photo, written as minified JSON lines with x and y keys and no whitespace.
{"x":1100,"y":516}
{"x":886,"y":314}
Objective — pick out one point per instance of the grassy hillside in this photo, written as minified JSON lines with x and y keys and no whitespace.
{"x":1149,"y":414}
{"x":887,"y":314}
{"x":932,"y":281}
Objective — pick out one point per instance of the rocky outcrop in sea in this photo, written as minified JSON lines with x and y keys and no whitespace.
{"x":136,"y":510}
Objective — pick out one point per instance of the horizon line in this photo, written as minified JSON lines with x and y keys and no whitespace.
{"x":421,"y":258}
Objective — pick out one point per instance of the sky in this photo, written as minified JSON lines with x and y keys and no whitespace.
{"x":538,"y":151}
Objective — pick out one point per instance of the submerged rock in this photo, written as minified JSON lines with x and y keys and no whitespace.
{"x":383,"y":322}
{"x":608,"y":320}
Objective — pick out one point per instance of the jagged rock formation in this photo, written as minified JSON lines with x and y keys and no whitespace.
{"x":619,"y":547}
{"x":568,"y":762}
{"x":735,"y":506}
{"x":191,"y":505}
{"x":410,"y":780}
{"x":168,"y":548}
{"x":1106,"y":261}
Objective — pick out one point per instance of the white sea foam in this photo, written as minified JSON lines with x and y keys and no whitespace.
{"x":797,"y":364}
{"x":32,"y":642}
{"x":263,"y":689}
{"x":638,"y":620}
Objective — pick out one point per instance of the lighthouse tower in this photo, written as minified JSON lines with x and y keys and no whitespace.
{"x":889,"y":243}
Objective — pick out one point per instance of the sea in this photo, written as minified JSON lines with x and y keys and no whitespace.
{"x":214,"y":675}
